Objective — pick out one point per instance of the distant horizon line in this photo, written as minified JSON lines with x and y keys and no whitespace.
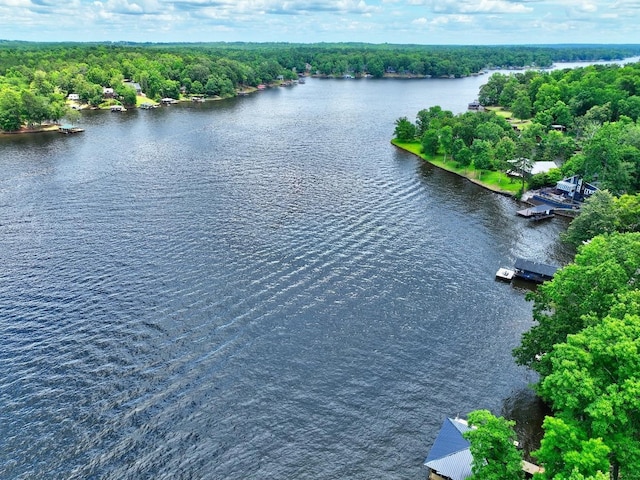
{"x":241,"y":42}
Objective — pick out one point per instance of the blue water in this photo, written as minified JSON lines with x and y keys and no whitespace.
{"x":256,"y":288}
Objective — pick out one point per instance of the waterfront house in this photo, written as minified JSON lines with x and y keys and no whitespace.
{"x":576,"y":188}
{"x":74,"y":97}
{"x":107,"y":92}
{"x":135,"y":85}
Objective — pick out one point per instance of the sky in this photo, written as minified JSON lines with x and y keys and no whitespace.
{"x":427,"y":22}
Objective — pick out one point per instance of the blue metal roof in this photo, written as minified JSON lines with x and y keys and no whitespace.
{"x":449,"y":440}
{"x":450,"y":455}
{"x":456,"y":466}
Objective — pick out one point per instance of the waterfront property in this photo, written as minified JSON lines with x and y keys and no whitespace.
{"x":450,"y":456}
{"x":534,"y":271}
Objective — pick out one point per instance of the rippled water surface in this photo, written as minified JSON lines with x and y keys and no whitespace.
{"x":255,"y":288}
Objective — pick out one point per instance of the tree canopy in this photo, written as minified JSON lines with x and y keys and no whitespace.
{"x":580,"y":294}
{"x":495,"y":456}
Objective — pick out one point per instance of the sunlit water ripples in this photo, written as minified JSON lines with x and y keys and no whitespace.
{"x":258,"y":288}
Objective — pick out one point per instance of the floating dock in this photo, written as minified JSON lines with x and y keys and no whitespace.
{"x":505,"y":274}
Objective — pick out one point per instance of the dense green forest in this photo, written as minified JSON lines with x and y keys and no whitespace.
{"x":585,"y":342}
{"x":36,"y":78}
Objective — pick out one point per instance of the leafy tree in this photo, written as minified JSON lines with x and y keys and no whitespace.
{"x":10,"y":110}
{"x":491,"y":91}
{"x":35,"y":109}
{"x":495,"y":456}
{"x":556,"y":146}
{"x":405,"y":130}
{"x":489,"y":131}
{"x":128,"y":94}
{"x":603,"y":272}
{"x":566,"y":452}
{"x":521,"y":106}
{"x":547,"y":96}
{"x":627,"y":213}
{"x":505,"y":150}
{"x":430,"y":142}
{"x":375,"y":67}
{"x":509,"y":92}
{"x":597,"y":216}
{"x":482,"y":154}
{"x":561,"y":114}
{"x":596,"y":381}
{"x":464,"y":156}
{"x":446,"y":140}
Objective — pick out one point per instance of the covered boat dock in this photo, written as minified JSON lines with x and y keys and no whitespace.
{"x":534,"y":271}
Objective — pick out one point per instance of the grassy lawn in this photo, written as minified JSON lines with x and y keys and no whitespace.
{"x":140,"y":100}
{"x":496,"y":181}
{"x":509,"y":116}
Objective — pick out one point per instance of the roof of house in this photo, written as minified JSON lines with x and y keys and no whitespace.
{"x":542,"y":167}
{"x":450,"y":455}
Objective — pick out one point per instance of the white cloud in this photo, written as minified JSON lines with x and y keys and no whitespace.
{"x":483,"y":6}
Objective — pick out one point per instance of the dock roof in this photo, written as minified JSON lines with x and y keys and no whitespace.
{"x":450,"y":455}
{"x":535,"y":267}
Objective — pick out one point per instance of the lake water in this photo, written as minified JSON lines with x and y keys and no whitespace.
{"x":262,"y":287}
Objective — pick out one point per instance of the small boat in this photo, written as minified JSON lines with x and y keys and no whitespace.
{"x":118,"y":108}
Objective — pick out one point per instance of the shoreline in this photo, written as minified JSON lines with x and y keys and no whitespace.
{"x":41,"y":129}
{"x":476,"y":181}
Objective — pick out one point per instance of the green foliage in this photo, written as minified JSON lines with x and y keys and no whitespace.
{"x":10,"y":110}
{"x":482,"y":152}
{"x":546,"y":179}
{"x":495,"y":456}
{"x":603,"y":213}
{"x":521,"y":106}
{"x":604,"y":271}
{"x":430,"y":142}
{"x":597,"y":216}
{"x":405,"y":130}
{"x":566,"y":451}
{"x":596,"y":378}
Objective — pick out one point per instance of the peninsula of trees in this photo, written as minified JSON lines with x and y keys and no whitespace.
{"x":36,"y":78}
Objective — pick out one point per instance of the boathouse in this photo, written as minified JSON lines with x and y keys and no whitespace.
{"x":450,"y":456}
{"x":534,"y":271}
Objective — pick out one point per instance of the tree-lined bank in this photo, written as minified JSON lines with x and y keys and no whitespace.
{"x":36,"y":78}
